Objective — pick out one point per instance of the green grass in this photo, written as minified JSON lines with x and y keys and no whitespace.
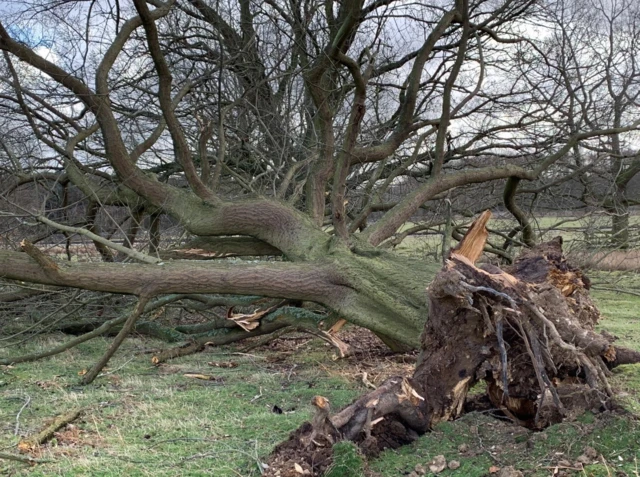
{"x":142,"y":420}
{"x":494,"y":443}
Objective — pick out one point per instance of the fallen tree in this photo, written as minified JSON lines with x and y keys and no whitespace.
{"x":296,"y":158}
{"x":527,"y":331}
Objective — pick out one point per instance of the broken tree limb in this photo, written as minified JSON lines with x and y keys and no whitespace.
{"x":31,"y":443}
{"x":115,"y":344}
{"x":474,"y":240}
{"x":104,"y":328}
{"x":286,"y":316}
{"x":48,"y":265}
{"x":22,"y":458}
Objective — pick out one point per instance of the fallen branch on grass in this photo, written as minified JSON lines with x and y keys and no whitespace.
{"x":22,"y":458}
{"x":31,"y":443}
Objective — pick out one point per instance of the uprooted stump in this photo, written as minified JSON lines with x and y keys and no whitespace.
{"x":527,"y":331}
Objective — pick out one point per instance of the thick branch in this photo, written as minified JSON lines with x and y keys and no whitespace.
{"x":509,"y":196}
{"x":319,"y":283}
{"x":180,"y":146}
{"x":394,"y":218}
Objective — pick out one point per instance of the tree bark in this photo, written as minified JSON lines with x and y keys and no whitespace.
{"x":620,"y":219}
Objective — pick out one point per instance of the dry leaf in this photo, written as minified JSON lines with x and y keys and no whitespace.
{"x":24,"y":447}
{"x":494,"y":469}
{"x":298,"y":468}
{"x":82,"y":373}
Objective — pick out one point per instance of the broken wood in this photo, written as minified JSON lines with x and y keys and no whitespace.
{"x":474,"y":240}
{"x":32,"y":443}
{"x":337,"y":326}
{"x":49,"y":265}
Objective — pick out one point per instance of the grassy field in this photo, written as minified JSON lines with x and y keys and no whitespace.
{"x":142,"y":420}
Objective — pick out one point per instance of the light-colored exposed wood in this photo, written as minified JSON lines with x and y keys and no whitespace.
{"x":337,"y":326}
{"x":474,"y":240}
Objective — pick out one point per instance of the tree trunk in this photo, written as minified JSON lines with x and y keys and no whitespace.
{"x":620,"y":224}
{"x":527,"y":331}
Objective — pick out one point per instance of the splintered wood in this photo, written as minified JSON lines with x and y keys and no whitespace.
{"x":472,"y":245}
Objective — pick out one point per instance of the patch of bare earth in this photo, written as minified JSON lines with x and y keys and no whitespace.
{"x":370,"y":361}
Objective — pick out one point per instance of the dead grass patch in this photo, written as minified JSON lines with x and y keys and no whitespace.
{"x":608,"y":260}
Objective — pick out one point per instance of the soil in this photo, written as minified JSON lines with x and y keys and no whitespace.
{"x":314,"y":458}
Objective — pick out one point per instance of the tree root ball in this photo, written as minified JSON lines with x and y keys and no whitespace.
{"x":527,"y":331}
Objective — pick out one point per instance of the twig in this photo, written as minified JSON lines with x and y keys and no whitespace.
{"x":257,"y":396}
{"x":291,"y":372}
{"x":616,"y":290}
{"x":117,"y":369}
{"x":26,"y":403}
{"x":21,"y":458}
{"x":106,"y":326}
{"x":178,"y":439}
{"x":97,"y":238}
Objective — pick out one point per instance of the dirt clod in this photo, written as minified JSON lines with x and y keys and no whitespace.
{"x":583,"y":459}
{"x":438,"y":464}
{"x":463,"y":448}
{"x":420,"y":469}
{"x":590,"y":452}
{"x":509,"y":471}
{"x":454,"y":464}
